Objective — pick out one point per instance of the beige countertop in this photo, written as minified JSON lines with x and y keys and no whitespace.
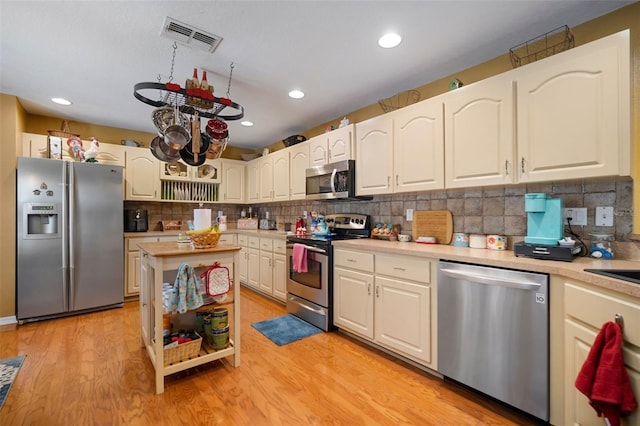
{"x":181,"y":249}
{"x":256,"y":232}
{"x":507,"y":259}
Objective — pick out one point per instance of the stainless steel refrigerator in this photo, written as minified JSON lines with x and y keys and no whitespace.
{"x":69,"y":238}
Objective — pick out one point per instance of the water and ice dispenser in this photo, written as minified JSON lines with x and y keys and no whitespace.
{"x":41,"y":220}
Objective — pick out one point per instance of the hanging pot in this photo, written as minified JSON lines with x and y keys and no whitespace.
{"x":187,"y":153}
{"x":177,"y":133}
{"x":156,"y":147}
{"x":217,"y":129}
{"x":166,"y":116}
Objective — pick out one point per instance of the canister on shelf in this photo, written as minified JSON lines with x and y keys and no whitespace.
{"x":460,"y":239}
{"x":477,"y":241}
{"x":496,"y":242}
{"x":601,"y":246}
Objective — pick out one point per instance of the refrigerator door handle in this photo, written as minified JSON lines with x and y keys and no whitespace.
{"x":70,"y":236}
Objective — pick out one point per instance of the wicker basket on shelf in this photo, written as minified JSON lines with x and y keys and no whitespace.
{"x":205,"y":239}
{"x":64,"y":131}
{"x":183,"y":352}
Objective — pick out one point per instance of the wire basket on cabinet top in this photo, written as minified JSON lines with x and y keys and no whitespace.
{"x":545,"y":45}
{"x":399,"y":100}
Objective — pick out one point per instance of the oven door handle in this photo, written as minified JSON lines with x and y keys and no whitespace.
{"x":309,"y":248}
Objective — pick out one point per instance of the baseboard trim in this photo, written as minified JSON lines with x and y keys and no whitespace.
{"x":8,"y":320}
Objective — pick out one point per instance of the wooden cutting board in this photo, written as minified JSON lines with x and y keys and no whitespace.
{"x":434,"y":223}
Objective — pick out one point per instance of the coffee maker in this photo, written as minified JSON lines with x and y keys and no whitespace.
{"x":135,"y":220}
{"x":545,"y":228}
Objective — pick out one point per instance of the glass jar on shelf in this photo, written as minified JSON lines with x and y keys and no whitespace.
{"x":601,"y":246}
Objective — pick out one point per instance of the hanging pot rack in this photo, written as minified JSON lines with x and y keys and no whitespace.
{"x":171,"y":94}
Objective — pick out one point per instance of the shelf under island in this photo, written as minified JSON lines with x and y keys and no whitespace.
{"x":156,"y":258}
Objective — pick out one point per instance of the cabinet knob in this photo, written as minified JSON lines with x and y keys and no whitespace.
{"x":506,"y":167}
{"x":369,"y":289}
{"x":522,"y":165}
{"x":378,"y":291}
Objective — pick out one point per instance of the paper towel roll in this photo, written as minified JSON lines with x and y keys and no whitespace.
{"x":202,"y":218}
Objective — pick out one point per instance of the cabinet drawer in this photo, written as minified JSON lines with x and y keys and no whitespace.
{"x":266,"y":244}
{"x":353,"y":260}
{"x":243,"y":240}
{"x":280,"y":246}
{"x":227,"y":239}
{"x":254,"y":242}
{"x":132,"y":243}
{"x":168,"y":238}
{"x":595,"y":308}
{"x":408,"y":268}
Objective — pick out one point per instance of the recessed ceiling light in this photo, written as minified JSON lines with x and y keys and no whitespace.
{"x":296,"y":94}
{"x":247,"y":123}
{"x":389,"y":40}
{"x":61,"y":101}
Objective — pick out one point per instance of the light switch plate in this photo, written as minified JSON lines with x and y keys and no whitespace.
{"x":409,"y":215}
{"x":604,"y":216}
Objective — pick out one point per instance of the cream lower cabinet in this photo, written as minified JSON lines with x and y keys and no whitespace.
{"x":392,"y":303}
{"x":253,"y":262}
{"x":273,"y":268}
{"x":243,"y":258}
{"x":587,"y":308}
{"x":132,"y":262}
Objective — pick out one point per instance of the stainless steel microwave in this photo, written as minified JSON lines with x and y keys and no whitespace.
{"x":332,"y":181}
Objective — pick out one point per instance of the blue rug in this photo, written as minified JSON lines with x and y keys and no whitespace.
{"x":8,"y":371}
{"x":285,"y":329}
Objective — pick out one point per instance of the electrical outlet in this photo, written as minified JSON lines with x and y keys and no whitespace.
{"x":409,"y":215}
{"x":604,"y":216}
{"x":578,"y":216}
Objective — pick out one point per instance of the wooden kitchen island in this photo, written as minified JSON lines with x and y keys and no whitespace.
{"x":159,"y":263}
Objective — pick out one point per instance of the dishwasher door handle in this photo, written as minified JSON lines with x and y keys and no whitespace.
{"x":488,"y":280}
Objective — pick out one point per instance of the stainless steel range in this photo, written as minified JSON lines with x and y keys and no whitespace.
{"x":310,"y":292}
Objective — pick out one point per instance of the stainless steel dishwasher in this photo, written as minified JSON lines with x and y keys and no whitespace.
{"x":493,"y":333}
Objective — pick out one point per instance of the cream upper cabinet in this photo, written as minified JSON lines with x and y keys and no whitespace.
{"x":298,"y":165}
{"x":265,"y":183}
{"x":418,"y":146}
{"x":141,"y":175}
{"x":253,"y":180}
{"x":35,"y":145}
{"x":479,"y":133}
{"x":207,"y":172}
{"x":587,"y":308}
{"x":374,"y":164}
{"x":331,"y":147}
{"x":574,"y":113}
{"x":232,"y":186}
{"x":280,"y":160}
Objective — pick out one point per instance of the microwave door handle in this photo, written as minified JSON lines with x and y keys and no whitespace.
{"x":333,"y":180}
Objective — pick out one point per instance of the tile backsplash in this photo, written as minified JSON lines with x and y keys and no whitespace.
{"x":491,"y":210}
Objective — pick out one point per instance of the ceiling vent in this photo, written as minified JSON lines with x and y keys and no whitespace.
{"x":189,"y":35}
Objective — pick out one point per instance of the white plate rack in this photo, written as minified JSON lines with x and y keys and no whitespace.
{"x":189,"y":191}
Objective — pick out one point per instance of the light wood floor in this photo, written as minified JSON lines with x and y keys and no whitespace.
{"x":91,"y":370}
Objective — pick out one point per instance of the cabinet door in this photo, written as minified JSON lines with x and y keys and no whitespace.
{"x":253,"y":180}
{"x":34,"y":145}
{"x":281,"y":175}
{"x":110,"y":153}
{"x":578,"y":341}
{"x":318,"y":151}
{"x":175,"y":170}
{"x":233,"y":182}
{"x":479,"y":132}
{"x":374,"y":147}
{"x":265,"y":182}
{"x":210,"y":171}
{"x":253,"y":268}
{"x":266,"y":271}
{"x":280,"y":276}
{"x":243,"y":264}
{"x":340,"y":143}
{"x":418,"y":147}
{"x":133,"y":274}
{"x":353,"y":301}
{"x":298,"y":163}
{"x":573,"y":113}
{"x":403,"y":317}
{"x":141,"y":175}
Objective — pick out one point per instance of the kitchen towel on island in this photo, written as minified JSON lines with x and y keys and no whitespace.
{"x":187,"y":293}
{"x":299,"y":258}
{"x":603,"y":378}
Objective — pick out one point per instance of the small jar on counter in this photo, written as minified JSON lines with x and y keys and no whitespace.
{"x":601,"y":246}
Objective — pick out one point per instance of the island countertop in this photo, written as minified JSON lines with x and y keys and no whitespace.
{"x":172,"y":248}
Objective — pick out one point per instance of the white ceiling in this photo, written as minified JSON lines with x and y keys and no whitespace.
{"x":93,"y":52}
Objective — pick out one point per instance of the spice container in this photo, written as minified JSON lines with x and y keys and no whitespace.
{"x":601,"y":246}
